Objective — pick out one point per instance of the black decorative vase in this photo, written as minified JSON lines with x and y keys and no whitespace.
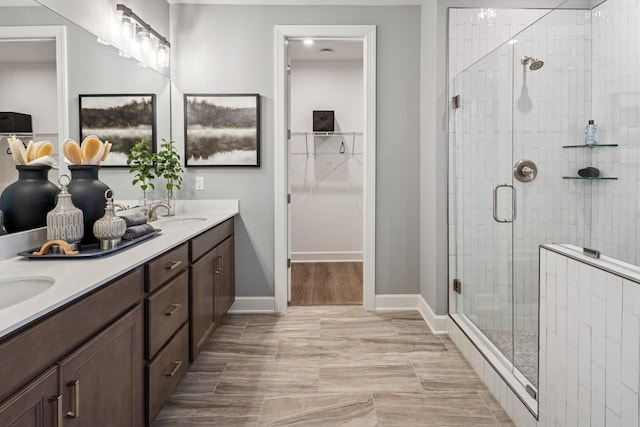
{"x":87,"y":193}
{"x":27,"y":201}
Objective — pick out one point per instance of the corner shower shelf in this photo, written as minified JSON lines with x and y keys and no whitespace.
{"x":599,"y":178}
{"x":589,"y":146}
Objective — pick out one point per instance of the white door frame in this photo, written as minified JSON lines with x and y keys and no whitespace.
{"x":367,"y":34}
{"x":59,"y":34}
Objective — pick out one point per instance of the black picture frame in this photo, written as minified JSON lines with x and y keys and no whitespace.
{"x":121,"y":119}
{"x":222,"y":130}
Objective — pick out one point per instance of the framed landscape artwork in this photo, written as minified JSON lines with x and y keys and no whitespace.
{"x":222,"y":130}
{"x":123,"y":120}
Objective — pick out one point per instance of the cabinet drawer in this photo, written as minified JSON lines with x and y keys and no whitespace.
{"x":167,"y":310}
{"x":166,"y":371}
{"x":167,"y":266}
{"x":208,"y":240}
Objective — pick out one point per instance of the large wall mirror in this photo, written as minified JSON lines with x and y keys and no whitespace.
{"x":31,"y":83}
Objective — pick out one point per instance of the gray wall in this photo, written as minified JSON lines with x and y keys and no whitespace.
{"x":229,"y":49}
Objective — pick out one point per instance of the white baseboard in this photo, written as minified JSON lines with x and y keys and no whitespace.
{"x":345,"y":256}
{"x":245,"y":305}
{"x":438,"y":323}
{"x":396,"y":302}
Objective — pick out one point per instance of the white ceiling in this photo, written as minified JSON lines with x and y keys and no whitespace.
{"x":341,"y":50}
{"x":27,"y":51}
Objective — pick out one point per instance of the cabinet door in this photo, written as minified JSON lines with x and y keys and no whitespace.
{"x":36,"y":405}
{"x":224,"y":285}
{"x":102,"y":382}
{"x":202,"y":302}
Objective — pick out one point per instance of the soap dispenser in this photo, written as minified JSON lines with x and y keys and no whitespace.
{"x":110,"y":228}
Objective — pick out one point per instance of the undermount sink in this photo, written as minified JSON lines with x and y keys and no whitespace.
{"x":182,"y":221}
{"x":17,"y":289}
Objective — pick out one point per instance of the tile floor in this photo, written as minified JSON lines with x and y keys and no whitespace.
{"x":329,"y":366}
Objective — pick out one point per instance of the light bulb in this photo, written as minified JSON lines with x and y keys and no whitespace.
{"x":144,"y":40}
{"x":308,"y":42}
{"x":128,"y":28}
{"x":162,"y":55}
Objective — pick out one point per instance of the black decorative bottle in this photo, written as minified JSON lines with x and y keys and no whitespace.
{"x":87,"y":194}
{"x":26,"y":202}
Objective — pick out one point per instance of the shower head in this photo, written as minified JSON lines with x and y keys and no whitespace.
{"x":536,"y":64}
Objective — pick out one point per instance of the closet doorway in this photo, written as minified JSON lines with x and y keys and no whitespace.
{"x":283,"y":34}
{"x":325,"y":171}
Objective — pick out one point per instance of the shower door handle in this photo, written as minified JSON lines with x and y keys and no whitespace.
{"x":513,"y":203}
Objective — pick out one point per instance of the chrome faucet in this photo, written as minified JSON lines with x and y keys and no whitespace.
{"x":151,"y":212}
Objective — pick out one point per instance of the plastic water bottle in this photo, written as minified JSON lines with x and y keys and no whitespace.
{"x":590,"y":133}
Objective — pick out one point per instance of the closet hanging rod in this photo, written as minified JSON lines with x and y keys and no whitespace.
{"x":328,"y":133}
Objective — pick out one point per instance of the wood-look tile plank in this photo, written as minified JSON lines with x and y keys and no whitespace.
{"x":370,"y":378}
{"x":319,"y":410}
{"x":268,"y":377}
{"x":403,"y":344}
{"x":209,"y":409}
{"x":432,"y":409}
{"x":317,"y":348}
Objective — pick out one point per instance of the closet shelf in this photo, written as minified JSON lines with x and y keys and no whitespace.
{"x":589,"y":146}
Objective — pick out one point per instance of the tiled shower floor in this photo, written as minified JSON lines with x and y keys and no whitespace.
{"x":526,"y":350}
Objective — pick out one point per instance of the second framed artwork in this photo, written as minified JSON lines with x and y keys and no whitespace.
{"x":222,"y":130}
{"x":123,"y":120}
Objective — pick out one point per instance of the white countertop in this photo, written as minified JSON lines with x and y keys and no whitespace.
{"x":76,"y":277}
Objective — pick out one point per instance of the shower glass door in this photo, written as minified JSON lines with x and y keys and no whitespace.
{"x":484,"y":202}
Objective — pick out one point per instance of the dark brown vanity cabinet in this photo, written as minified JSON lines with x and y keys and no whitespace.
{"x":167,"y":316}
{"x":212,"y":282}
{"x":37,"y":404}
{"x":102,"y":381}
{"x":79,"y":366}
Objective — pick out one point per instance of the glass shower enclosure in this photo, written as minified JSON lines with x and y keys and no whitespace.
{"x":512,"y":113}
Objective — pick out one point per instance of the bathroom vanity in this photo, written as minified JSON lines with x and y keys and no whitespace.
{"x":110,"y":340}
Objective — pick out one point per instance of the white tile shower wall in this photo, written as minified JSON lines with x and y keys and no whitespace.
{"x":616,"y":111}
{"x":542,"y":108}
{"x":590,"y":369}
{"x":474,"y":33}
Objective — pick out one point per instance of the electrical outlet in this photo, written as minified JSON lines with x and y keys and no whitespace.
{"x":199,"y":183}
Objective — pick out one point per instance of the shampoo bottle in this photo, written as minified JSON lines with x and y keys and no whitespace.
{"x":590,"y":133}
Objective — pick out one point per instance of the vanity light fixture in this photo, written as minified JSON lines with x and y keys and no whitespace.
{"x":153,"y":47}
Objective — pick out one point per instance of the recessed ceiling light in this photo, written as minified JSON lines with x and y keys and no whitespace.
{"x":308,"y":42}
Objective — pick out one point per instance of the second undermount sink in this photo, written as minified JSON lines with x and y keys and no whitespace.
{"x":14,"y":290}
{"x":182,"y":221}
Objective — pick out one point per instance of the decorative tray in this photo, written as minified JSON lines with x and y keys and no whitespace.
{"x":89,"y":251}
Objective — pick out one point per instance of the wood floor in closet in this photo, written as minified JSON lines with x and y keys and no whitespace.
{"x":326,"y":283}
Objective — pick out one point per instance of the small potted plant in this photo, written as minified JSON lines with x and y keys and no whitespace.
{"x":141,"y":161}
{"x":168,"y":166}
